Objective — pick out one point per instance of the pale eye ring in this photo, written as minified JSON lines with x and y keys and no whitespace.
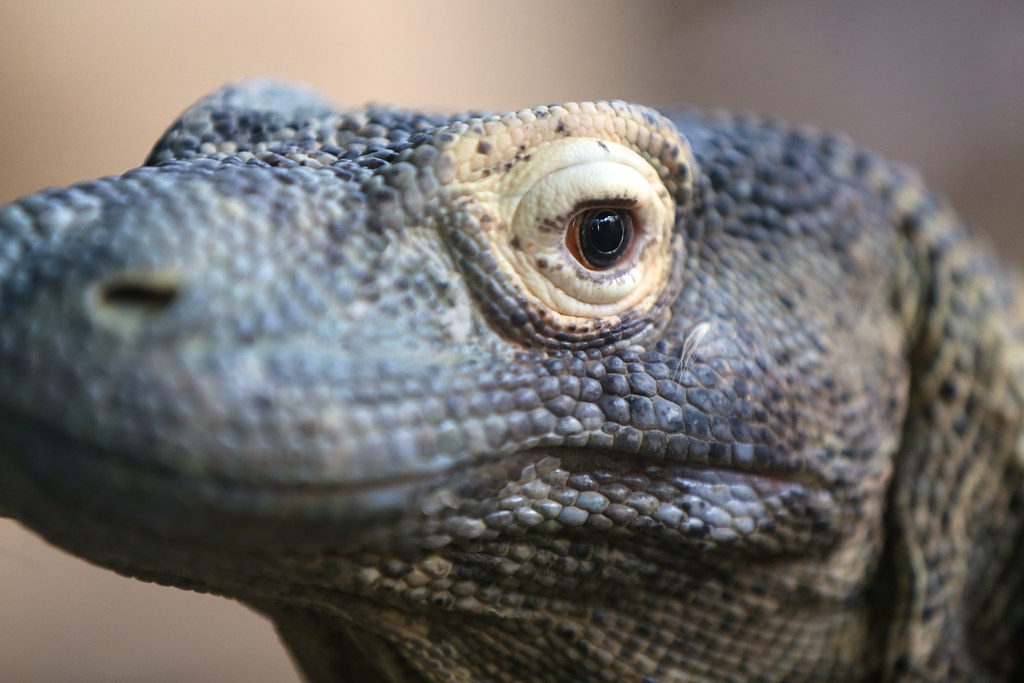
{"x":589,"y":229}
{"x":599,"y":238}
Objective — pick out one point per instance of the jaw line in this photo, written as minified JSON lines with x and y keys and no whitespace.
{"x":47,"y":468}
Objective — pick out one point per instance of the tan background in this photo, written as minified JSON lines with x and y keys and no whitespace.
{"x":86,"y":88}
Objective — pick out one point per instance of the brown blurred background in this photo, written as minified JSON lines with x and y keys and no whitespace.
{"x":87,"y":87}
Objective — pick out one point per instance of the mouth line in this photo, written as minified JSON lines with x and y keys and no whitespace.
{"x":30,"y":432}
{"x":53,"y":484}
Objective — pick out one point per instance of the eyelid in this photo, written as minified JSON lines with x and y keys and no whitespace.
{"x":534,"y":203}
{"x":544,"y":211}
{"x":605,"y":203}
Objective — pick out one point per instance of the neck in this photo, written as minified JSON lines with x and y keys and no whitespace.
{"x":639,"y":633}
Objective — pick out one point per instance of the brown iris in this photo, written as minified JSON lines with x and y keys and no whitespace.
{"x":599,"y":238}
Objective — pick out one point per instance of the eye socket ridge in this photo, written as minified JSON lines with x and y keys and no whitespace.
{"x":601,"y":236}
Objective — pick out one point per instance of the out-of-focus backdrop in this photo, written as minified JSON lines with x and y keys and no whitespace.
{"x":87,"y":87}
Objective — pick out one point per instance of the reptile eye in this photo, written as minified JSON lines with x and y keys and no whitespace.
{"x":600,"y":238}
{"x":584,"y":229}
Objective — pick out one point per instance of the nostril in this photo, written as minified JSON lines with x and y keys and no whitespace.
{"x":142,"y":296}
{"x":128,"y":301}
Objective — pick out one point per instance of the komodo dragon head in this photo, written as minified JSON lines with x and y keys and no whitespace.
{"x":575,"y":393}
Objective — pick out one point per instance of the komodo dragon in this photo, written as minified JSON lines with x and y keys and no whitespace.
{"x":575,"y":393}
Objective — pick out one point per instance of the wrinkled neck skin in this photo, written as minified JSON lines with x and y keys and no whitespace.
{"x":610,"y":627}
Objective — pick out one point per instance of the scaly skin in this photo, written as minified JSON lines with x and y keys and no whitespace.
{"x":345,"y":368}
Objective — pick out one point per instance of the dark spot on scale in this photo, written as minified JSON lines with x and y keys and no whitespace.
{"x":602,"y":145}
{"x":948,"y":390}
{"x":486,"y":218}
{"x":560,"y":128}
{"x":516,"y":244}
{"x":542,"y":262}
{"x":483,"y":147}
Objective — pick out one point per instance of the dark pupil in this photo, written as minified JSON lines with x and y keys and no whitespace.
{"x":604,"y":236}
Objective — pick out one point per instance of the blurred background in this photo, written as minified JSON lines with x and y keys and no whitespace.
{"x":87,"y":87}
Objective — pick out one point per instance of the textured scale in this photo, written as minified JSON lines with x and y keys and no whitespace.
{"x":340,"y":366}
